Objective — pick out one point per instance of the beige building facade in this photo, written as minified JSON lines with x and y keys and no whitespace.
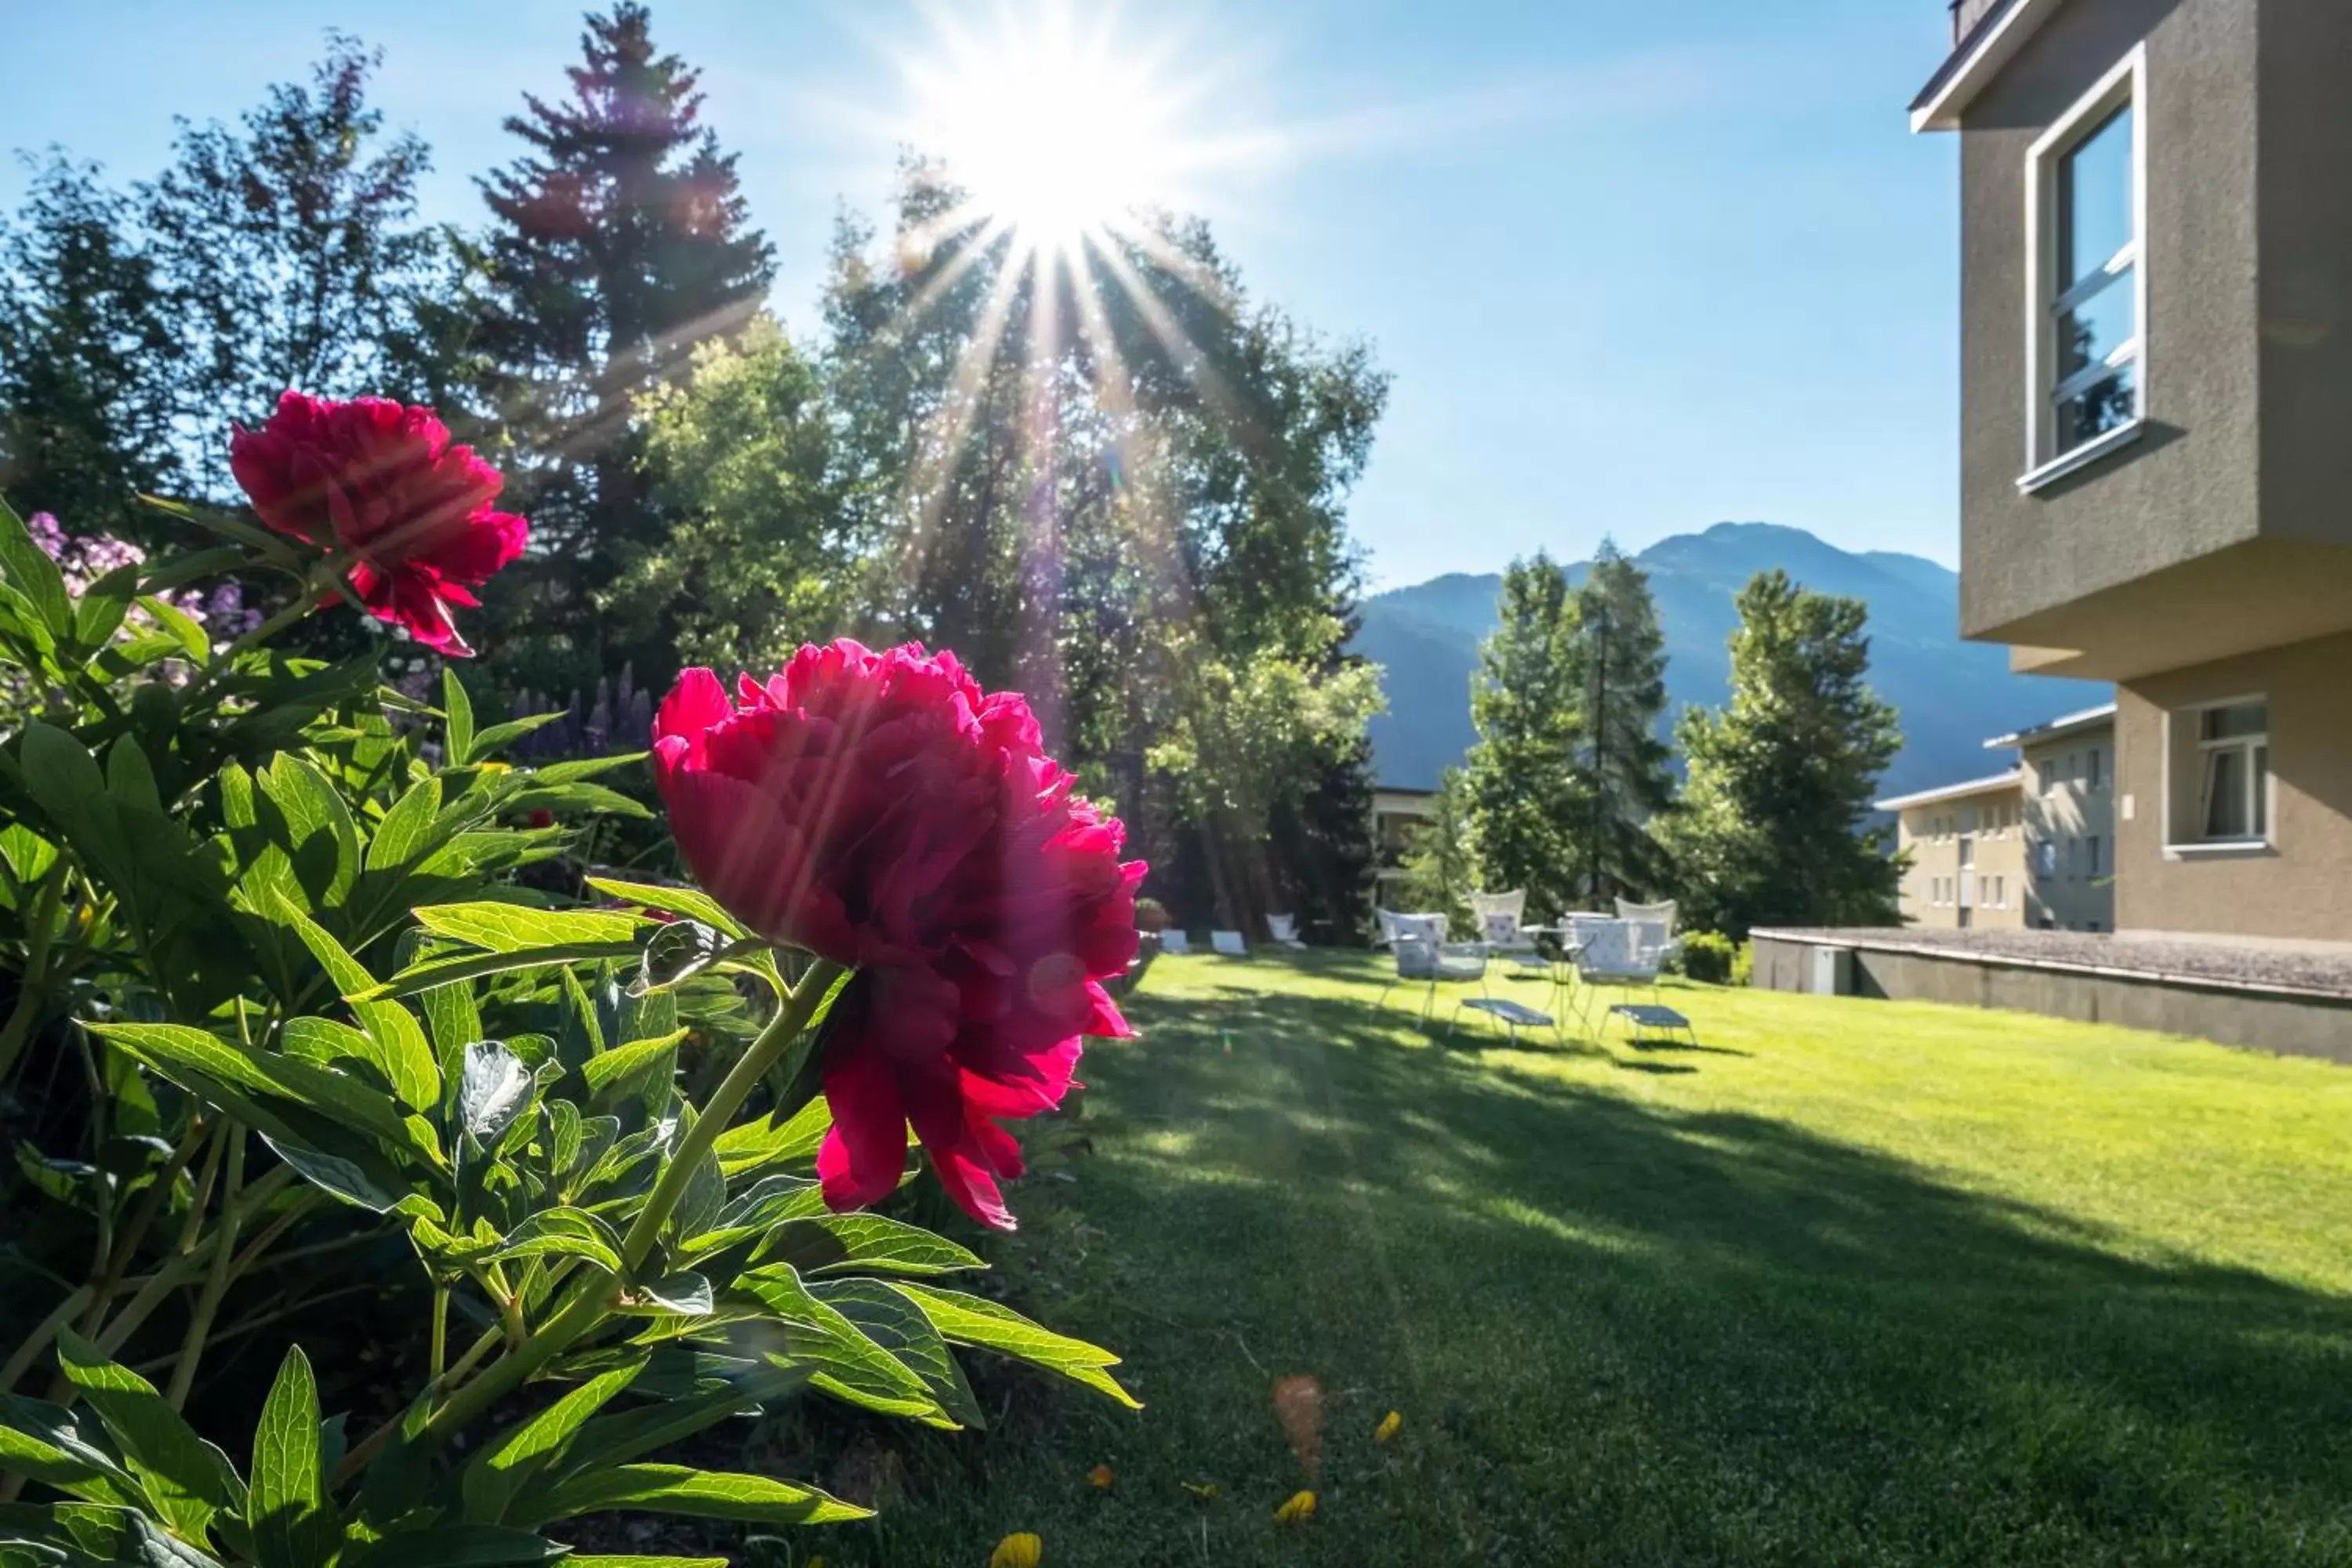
{"x":1967,"y":854}
{"x":2157,"y":430}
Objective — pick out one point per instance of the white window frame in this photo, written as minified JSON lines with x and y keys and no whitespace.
{"x":2178,"y":848}
{"x":2126,"y":84}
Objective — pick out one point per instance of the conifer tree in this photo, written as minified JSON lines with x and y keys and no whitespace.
{"x":619,"y":243}
{"x":1772,"y":828}
{"x":1527,"y":801}
{"x":1624,"y":770}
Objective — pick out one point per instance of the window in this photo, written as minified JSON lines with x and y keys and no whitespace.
{"x":2087,"y":201}
{"x":2092,"y":779}
{"x":2074,"y":768}
{"x":2091,"y":846}
{"x":2234,"y":750}
{"x":2047,"y":852}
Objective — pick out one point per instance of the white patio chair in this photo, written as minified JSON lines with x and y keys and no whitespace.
{"x":1392,"y":921}
{"x":1507,"y":942}
{"x":1172,"y":941}
{"x":1421,"y":961}
{"x":1284,"y":929}
{"x":1228,"y":944}
{"x":1607,"y":955}
{"x":1659,"y":915}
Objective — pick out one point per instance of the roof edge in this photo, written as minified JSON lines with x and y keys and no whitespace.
{"x":1977,"y":59}
{"x":1986,"y":785}
{"x":2064,"y":724}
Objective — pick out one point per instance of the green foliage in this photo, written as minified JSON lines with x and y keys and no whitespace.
{"x":1440,"y":862}
{"x":1710,"y":956}
{"x":1771,"y":828}
{"x":1619,"y":659}
{"x":1526,"y":799}
{"x":619,"y":243}
{"x":324,"y":978}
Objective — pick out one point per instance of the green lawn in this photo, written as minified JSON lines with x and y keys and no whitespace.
{"x":1854,"y":1282}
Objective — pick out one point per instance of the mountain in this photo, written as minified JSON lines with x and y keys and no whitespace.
{"x":1951,"y":694}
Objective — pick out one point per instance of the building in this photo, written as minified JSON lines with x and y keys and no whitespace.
{"x":2066,"y":777}
{"x":2157,"y":423}
{"x":1967,"y":855}
{"x":2028,"y":848}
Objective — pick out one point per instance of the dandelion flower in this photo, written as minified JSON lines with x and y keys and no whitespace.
{"x":1022,"y":1550}
{"x":1388,"y":1428}
{"x":1297,"y":1510}
{"x":1101,"y":1479}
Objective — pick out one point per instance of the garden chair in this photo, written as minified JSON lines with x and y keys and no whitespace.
{"x":1175,"y":942}
{"x":1500,"y":917}
{"x":1607,"y":955}
{"x":1392,"y":922}
{"x":1284,"y":929}
{"x":1421,"y":960}
{"x":1653,"y":923}
{"x":1228,"y":944}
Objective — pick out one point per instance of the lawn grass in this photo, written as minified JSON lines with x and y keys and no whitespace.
{"x":1854,"y":1282}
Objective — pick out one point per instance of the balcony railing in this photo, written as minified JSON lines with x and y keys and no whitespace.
{"x":1967,"y":15}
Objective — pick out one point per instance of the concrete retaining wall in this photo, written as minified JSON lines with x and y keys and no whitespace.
{"x":2288,"y":1024}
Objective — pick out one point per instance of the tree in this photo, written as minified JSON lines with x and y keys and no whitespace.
{"x":1108,"y":477}
{"x":1440,"y":862}
{"x":754,"y":562}
{"x":620,"y":243}
{"x":87,"y":358}
{"x":1772,"y":828}
{"x":1624,"y":769}
{"x":288,"y":254}
{"x":1526,"y":798}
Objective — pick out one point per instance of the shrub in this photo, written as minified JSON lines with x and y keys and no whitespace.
{"x":1150,"y":915}
{"x":1743,"y":967}
{"x":1709,"y":956}
{"x":285,"y":946}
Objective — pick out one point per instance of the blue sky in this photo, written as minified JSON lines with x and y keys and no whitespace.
{"x":1634,"y":269}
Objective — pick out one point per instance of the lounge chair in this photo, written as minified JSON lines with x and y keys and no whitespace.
{"x":1228,"y":944}
{"x":1175,"y":942}
{"x":1500,"y":917}
{"x":1421,"y":960}
{"x":1654,"y":924}
{"x":1284,"y":929}
{"x":1608,"y":954}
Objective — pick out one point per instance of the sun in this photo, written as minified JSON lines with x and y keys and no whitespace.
{"x":1057,"y":128}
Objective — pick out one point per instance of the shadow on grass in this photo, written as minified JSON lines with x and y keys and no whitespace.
{"x":1622,"y":1335}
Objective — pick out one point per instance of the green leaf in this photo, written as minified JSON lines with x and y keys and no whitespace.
{"x":103,"y":605}
{"x":184,"y":629}
{"x":501,"y":1471}
{"x":151,"y":1548}
{"x":434,"y":972}
{"x":837,"y":1354}
{"x":620,"y":1073}
{"x":59,"y":771}
{"x":29,"y":570}
{"x":499,"y":736}
{"x":892,"y":1321}
{"x":459,"y":709}
{"x":407,"y":829}
{"x":293,"y":1525}
{"x":701,"y":1494}
{"x":565,"y":1232}
{"x":630,"y":1433}
{"x":452,"y":1019}
{"x":493,"y":1090}
{"x":755,"y":1145}
{"x":587,"y":797}
{"x":324,"y":1041}
{"x":684,"y":1294}
{"x":683,"y":901}
{"x":512,"y":928}
{"x":646,"y":1561}
{"x":345,"y":1179}
{"x":870,"y":1243}
{"x":322,"y":840}
{"x":174,"y":1048}
{"x":966,"y":1319}
{"x":680,"y":951}
{"x":130,"y":778}
{"x":463,"y":1546}
{"x":405,"y":1057}
{"x":186,"y":1478}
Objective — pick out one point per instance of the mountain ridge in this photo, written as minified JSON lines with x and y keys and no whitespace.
{"x":1950,"y":694}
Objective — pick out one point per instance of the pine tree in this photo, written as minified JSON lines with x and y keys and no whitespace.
{"x":1772,"y":829}
{"x":620,"y":243}
{"x":1526,"y":800}
{"x":1624,"y":771}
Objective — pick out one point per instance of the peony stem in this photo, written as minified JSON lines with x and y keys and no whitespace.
{"x":593,"y":1299}
{"x":799,"y":1004}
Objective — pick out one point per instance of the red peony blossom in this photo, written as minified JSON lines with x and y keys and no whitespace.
{"x":382,"y":483}
{"x":879,"y":810}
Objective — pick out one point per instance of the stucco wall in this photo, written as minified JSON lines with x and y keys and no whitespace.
{"x":2190,"y":487}
{"x":2301,"y":887}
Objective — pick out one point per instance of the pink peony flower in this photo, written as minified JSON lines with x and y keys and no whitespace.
{"x":382,"y":483}
{"x":880,"y":810}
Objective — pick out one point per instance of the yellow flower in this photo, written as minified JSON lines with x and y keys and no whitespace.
{"x":1101,"y":1479}
{"x":1021,"y":1551}
{"x":1388,"y":1426}
{"x":1297,"y":1510}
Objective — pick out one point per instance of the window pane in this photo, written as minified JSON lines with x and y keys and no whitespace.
{"x":2225,"y":793}
{"x":2095,"y":200}
{"x":2231,"y":723}
{"x":2262,"y":792}
{"x":2098,"y":326}
{"x":2098,"y":408}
